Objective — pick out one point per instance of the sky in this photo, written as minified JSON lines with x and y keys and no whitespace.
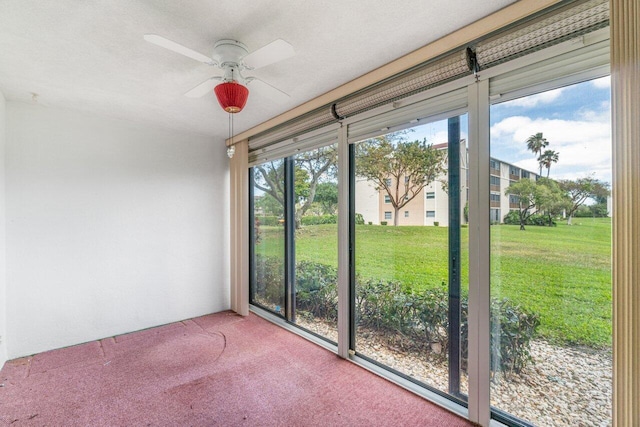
{"x":574,"y":119}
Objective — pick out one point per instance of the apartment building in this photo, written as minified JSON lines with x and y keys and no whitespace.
{"x":431,"y":205}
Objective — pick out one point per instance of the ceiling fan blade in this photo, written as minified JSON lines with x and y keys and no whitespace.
{"x":275,"y":51}
{"x":177,"y":48}
{"x":203,"y":88}
{"x":267,"y":89}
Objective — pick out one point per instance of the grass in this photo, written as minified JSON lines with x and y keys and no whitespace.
{"x":561,"y":273}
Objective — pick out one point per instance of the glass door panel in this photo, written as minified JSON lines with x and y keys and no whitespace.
{"x":316,"y":241}
{"x":268,"y":251}
{"x":551,"y":256}
{"x":411,"y":253}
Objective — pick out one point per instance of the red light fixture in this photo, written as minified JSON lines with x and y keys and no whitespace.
{"x":232,"y":96}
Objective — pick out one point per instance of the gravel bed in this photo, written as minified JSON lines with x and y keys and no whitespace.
{"x":564,"y":386}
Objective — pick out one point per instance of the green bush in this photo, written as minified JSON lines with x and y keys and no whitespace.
{"x":316,"y":289}
{"x":512,"y":218}
{"x":383,"y":222}
{"x":388,"y":308}
{"x":319,"y":219}
{"x":599,"y":210}
{"x":268,"y":220}
{"x":359,"y":219}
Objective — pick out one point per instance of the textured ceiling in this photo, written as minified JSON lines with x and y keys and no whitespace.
{"x":90,"y":55}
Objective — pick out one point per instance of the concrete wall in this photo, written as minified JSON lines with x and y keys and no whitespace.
{"x":3,"y":276}
{"x":111,"y":227}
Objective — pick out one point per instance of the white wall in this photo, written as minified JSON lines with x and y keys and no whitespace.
{"x":367,"y":201}
{"x":3,"y":282}
{"x":111,"y":227}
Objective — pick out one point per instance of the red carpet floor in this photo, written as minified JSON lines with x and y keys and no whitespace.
{"x":216,"y":370}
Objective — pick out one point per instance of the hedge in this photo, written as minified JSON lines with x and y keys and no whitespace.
{"x":419,"y":318}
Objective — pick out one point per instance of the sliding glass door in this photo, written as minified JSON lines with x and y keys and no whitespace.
{"x":410,"y":253}
{"x":537,"y":337}
{"x":294,"y":250}
{"x":551,"y":256}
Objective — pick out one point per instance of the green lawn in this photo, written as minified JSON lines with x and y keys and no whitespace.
{"x":562,"y":273}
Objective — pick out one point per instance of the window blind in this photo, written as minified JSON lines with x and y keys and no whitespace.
{"x":570,"y":21}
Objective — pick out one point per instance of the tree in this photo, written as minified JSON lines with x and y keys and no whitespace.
{"x":535,"y":144}
{"x":317,"y":164}
{"x":582,"y":189}
{"x":327,"y":197}
{"x":309,"y":168}
{"x":400,"y":167}
{"x":269,"y":177}
{"x":546,"y":158}
{"x":526,"y":192}
{"x":551,"y":199}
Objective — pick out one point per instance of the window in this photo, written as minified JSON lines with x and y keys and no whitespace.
{"x":403,"y":267}
{"x":387,"y":198}
{"x":522,"y":257}
{"x":517,"y":271}
{"x":280,"y":258}
{"x":268,"y":276}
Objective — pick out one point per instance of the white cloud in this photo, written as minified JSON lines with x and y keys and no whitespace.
{"x":534,"y":100}
{"x":602,"y":83}
{"x":584,"y":146}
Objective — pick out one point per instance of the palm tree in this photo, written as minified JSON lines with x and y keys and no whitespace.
{"x":535,"y":144}
{"x":546,"y":158}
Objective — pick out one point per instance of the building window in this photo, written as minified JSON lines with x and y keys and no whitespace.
{"x":525,"y":174}
{"x":431,"y":214}
{"x":494,"y":180}
{"x":387,"y":198}
{"x":431,"y":195}
{"x":514,"y":199}
{"x":387,"y":182}
{"x":495,"y":197}
{"x":406,"y":214}
{"x":494,"y":164}
{"x":407,"y":179}
{"x":387,"y":215}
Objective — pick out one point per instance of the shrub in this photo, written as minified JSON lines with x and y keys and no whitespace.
{"x":418,"y":319}
{"x":316,"y":289}
{"x":319,"y":219}
{"x":512,"y":328}
{"x":383,"y":222}
{"x":436,"y":223}
{"x":359,"y":219}
{"x":269,"y":282}
{"x":269,"y":221}
{"x":513,"y":218}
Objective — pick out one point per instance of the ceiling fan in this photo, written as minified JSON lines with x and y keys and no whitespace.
{"x":232,"y":57}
